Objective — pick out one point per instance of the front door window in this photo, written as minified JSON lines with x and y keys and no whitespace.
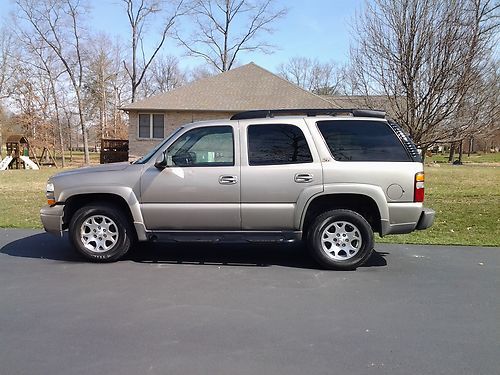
{"x":203,"y":147}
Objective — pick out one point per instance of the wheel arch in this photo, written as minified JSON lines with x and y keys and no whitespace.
{"x":363,"y":204}
{"x":129,"y":205}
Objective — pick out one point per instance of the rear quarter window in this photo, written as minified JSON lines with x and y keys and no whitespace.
{"x":352,"y":140}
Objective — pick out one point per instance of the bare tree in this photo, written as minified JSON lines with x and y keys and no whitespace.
{"x":43,"y":59}
{"x":7,"y":67}
{"x":139,"y":13}
{"x":224,"y":28}
{"x":201,"y":72}
{"x":426,"y":57}
{"x":7,"y":71}
{"x":310,"y":74}
{"x":58,"y":24}
{"x":104,"y":65}
{"x":164,"y":75}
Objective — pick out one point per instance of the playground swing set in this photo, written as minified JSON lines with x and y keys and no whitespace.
{"x":19,"y":153}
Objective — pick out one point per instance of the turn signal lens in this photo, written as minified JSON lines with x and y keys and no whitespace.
{"x":49,"y":193}
{"x":419,"y":187}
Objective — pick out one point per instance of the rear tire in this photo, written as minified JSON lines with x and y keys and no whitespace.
{"x":340,"y":239}
{"x":101,"y":233}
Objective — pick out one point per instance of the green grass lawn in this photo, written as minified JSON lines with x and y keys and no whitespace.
{"x":467,"y":203}
{"x":466,"y":199}
{"x":22,"y":194}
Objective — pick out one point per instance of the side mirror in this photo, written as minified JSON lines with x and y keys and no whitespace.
{"x":161,"y":161}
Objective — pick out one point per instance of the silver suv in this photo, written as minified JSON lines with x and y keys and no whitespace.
{"x":329,"y":177}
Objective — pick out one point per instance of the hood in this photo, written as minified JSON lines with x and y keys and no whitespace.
{"x":97,"y":168}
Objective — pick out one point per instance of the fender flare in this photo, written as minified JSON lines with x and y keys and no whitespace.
{"x":371,"y":191}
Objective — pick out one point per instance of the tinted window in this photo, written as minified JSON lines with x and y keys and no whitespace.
{"x":350,"y":140}
{"x":277,"y":144}
{"x":207,"y":146}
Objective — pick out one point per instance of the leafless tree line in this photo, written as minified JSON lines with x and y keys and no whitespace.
{"x":65,"y":83}
{"x":430,"y":63}
{"x":433,"y":61}
{"x":315,"y":76}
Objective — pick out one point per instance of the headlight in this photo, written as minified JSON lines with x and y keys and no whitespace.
{"x":49,"y":193}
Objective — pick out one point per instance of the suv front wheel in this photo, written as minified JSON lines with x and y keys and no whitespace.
{"x":101,"y":233}
{"x":340,"y":239}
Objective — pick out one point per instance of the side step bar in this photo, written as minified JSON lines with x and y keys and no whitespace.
{"x":222,"y":237}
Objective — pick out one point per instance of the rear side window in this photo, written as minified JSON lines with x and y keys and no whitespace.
{"x":362,"y":141}
{"x":272,"y":144}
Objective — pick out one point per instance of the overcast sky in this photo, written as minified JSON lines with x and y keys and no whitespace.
{"x":313,"y":28}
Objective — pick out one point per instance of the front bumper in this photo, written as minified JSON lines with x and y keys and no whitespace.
{"x":52,"y":219}
{"x":426,"y":219}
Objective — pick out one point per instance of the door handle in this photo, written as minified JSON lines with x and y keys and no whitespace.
{"x":228,"y":180}
{"x":303,"y":177}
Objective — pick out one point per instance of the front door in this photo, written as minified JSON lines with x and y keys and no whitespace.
{"x":200,"y":187}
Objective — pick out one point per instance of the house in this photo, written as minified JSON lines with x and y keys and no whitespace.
{"x":245,"y":88}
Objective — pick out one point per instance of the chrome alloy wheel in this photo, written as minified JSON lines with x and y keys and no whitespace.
{"x":98,"y":233}
{"x":341,"y":240}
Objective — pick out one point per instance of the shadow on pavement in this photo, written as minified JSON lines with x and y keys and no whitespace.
{"x":46,"y":246}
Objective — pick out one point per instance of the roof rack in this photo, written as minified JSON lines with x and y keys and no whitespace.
{"x":307,"y":112}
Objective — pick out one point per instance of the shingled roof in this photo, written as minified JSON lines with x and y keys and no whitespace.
{"x":244,"y":88}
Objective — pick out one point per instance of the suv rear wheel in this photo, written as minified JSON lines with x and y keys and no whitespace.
{"x":101,"y":233}
{"x":340,"y":239}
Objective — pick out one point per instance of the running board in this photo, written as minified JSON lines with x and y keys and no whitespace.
{"x":222,"y":237}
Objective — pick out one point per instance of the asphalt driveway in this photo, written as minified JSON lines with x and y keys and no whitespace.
{"x":240,"y":309}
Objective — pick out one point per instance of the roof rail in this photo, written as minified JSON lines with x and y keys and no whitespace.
{"x":307,"y":112}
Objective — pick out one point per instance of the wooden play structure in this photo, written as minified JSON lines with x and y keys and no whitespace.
{"x":18,"y":152}
{"x":21,"y":155}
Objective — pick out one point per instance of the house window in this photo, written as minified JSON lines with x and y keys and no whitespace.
{"x":151,"y":125}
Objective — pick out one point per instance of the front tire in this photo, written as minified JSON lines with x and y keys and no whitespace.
{"x":340,"y":239}
{"x":101,"y":233}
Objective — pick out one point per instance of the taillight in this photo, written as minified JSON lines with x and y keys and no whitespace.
{"x":418,"y":196}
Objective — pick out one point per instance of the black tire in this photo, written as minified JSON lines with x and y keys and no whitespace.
{"x":120,"y":225}
{"x":358,"y":225}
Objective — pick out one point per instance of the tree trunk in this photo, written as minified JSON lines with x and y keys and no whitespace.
{"x":59,"y":125}
{"x":460,"y":151}
{"x":70,"y":143}
{"x":86,"y":155}
{"x":452,"y":152}
{"x":424,"y":152}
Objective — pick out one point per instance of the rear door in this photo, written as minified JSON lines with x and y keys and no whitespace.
{"x":280,"y":169}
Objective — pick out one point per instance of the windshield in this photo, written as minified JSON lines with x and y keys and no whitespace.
{"x":153,"y":151}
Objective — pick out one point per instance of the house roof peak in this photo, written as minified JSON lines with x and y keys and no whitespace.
{"x":243,"y":88}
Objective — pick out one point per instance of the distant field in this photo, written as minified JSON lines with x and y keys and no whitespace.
{"x":466,"y":199}
{"x":74,"y":159}
{"x":77,"y":159}
{"x":493,"y":157}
